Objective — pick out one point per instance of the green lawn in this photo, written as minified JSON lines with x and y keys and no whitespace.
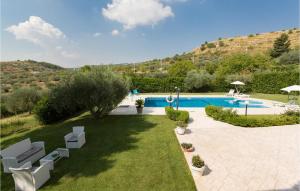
{"x":276,"y":97}
{"x":121,"y":153}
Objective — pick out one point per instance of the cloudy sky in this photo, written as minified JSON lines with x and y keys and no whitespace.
{"x":72,"y":33}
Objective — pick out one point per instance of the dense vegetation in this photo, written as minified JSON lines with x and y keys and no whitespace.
{"x":209,"y":71}
{"x":177,"y":115}
{"x":29,"y":74}
{"x":98,"y":91}
{"x":261,"y":72}
{"x":231,"y":117}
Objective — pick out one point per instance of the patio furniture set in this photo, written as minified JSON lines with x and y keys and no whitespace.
{"x":18,"y":159}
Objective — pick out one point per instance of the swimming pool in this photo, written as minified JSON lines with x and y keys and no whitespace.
{"x":202,"y":102}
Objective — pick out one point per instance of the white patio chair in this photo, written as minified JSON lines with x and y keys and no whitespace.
{"x":76,"y":139}
{"x":28,"y":178}
{"x":230,"y":93}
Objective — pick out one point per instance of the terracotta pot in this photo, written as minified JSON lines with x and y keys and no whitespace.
{"x":139,"y":110}
{"x":189,"y":150}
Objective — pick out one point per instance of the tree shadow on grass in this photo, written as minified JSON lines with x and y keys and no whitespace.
{"x":104,"y":138}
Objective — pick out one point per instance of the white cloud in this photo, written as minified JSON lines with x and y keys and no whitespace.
{"x":174,"y":1}
{"x":35,"y":30}
{"x":97,"y":34}
{"x":115,"y":32}
{"x":53,"y":41}
{"x":133,"y":13}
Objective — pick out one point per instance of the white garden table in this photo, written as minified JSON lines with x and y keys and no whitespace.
{"x":54,"y":156}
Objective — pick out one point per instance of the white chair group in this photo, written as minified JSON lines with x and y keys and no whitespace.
{"x":237,"y":95}
{"x":18,"y":159}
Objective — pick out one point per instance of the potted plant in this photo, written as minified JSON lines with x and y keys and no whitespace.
{"x":139,"y":103}
{"x":187,"y":147}
{"x":198,"y":164}
{"x":181,"y":127}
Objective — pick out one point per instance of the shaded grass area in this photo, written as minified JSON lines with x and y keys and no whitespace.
{"x":121,"y":153}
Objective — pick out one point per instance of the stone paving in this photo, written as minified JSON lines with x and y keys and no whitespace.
{"x":237,"y":158}
{"x":242,"y":158}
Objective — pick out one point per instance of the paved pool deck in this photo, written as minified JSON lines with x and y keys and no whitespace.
{"x":238,"y":158}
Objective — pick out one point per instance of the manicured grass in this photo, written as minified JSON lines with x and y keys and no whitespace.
{"x":276,"y":97}
{"x":121,"y":153}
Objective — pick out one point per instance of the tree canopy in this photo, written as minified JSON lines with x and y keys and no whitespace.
{"x":281,"y":45}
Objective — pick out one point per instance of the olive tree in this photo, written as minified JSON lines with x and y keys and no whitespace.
{"x":197,"y":80}
{"x":22,"y":100}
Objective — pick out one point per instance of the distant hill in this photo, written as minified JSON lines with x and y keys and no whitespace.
{"x":214,"y":50}
{"x":253,"y":43}
{"x":28,"y":73}
{"x":42,"y":75}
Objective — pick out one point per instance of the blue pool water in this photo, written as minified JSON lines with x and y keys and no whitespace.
{"x":202,"y":102}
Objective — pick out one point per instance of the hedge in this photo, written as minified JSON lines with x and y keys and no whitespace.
{"x":177,"y":115}
{"x":270,"y":83}
{"x":231,"y":117}
{"x":274,"y":81}
{"x":146,"y":85}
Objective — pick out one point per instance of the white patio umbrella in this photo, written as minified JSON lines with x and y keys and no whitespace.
{"x":237,"y":83}
{"x":294,"y":88}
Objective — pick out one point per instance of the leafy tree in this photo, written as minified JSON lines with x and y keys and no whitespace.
{"x":281,"y":45}
{"x":291,"y":57}
{"x":197,"y":80}
{"x":181,"y":68}
{"x":98,"y":91}
{"x":85,"y":68}
{"x":242,"y":63}
{"x":22,"y":100}
{"x":211,"y":67}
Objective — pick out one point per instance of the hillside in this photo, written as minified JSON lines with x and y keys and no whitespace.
{"x":214,"y":50}
{"x":29,"y":73}
{"x":253,"y":43}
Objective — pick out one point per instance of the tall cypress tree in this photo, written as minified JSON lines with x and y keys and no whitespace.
{"x":281,"y":45}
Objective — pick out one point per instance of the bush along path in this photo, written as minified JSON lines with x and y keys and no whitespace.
{"x":231,"y":117}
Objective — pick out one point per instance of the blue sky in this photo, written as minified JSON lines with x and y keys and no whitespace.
{"x":73,"y":33}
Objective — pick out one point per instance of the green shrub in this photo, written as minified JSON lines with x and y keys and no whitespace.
{"x":251,"y":35}
{"x":211,"y":45}
{"x":139,"y":103}
{"x":291,"y":57}
{"x":183,"y":116}
{"x":177,"y":115}
{"x":272,"y":82}
{"x":4,"y":111}
{"x":197,"y":161}
{"x":231,"y":117}
{"x":167,"y":84}
{"x":292,"y":113}
{"x":186,"y":145}
{"x":181,"y":124}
